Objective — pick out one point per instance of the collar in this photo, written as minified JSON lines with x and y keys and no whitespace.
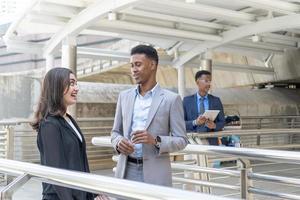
{"x":152,"y":91}
{"x":200,"y":97}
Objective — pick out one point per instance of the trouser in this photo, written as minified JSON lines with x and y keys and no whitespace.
{"x":134,"y":172}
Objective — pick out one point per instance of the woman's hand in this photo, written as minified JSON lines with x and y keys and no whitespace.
{"x":102,"y":197}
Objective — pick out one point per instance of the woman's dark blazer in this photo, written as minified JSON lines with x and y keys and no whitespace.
{"x":60,"y":147}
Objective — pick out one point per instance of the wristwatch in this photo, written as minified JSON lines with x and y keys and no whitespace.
{"x":158,"y":142}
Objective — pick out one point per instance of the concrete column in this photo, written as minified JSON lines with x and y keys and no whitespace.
{"x":69,"y":60}
{"x":69,"y":54}
{"x":181,"y":81}
{"x":206,"y":61}
{"x":49,"y":62}
{"x":206,"y":64}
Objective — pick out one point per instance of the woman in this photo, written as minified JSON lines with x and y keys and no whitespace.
{"x":60,"y":141}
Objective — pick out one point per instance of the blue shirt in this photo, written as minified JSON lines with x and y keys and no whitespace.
{"x":206,"y":103}
{"x":141,"y":109}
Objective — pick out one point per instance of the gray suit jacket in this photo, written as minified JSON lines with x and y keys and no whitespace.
{"x":165,"y":119}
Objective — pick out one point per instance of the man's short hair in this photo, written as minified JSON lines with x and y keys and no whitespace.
{"x":200,"y":73}
{"x":149,"y":51}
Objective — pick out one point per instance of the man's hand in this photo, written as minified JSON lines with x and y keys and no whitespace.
{"x":142,"y":136}
{"x":201,"y":120}
{"x":125,"y":147}
{"x":210,"y":124}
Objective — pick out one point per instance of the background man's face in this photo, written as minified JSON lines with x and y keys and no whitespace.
{"x":142,"y":68}
{"x":203,"y":83}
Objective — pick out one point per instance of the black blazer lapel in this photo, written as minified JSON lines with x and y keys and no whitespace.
{"x":67,"y":125}
{"x":86,"y":163}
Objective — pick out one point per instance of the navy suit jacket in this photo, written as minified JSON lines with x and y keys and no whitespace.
{"x":191,"y":113}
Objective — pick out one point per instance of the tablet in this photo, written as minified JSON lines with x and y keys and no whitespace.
{"x":211,"y":114}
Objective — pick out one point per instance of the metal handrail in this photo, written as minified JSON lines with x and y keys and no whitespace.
{"x":250,"y":153}
{"x":26,"y":120}
{"x":277,"y":179}
{"x":99,"y":184}
{"x":18,"y":121}
{"x":271,"y":117}
{"x":246,"y":132}
{"x":246,"y":174}
{"x":232,"y":173}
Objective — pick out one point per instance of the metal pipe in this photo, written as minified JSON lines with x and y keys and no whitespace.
{"x":246,"y":132}
{"x":250,"y":153}
{"x":277,"y":179}
{"x":274,"y":194}
{"x":271,"y":117}
{"x":102,"y":141}
{"x":80,"y":119}
{"x":206,"y":183}
{"x":205,"y":170}
{"x":101,"y":184}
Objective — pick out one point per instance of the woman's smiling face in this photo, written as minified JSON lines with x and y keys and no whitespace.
{"x":70,"y":94}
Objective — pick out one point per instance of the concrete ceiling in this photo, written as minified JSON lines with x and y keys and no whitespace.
{"x":191,"y":27}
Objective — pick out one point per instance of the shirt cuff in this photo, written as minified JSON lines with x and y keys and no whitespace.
{"x":195,"y":123}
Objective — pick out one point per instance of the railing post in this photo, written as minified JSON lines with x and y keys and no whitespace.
{"x":10,"y":134}
{"x":259,"y":123}
{"x":10,"y":148}
{"x":293,"y":123}
{"x":8,"y":191}
{"x":245,"y":183}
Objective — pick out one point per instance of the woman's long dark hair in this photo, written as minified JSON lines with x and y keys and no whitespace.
{"x":51,"y":100}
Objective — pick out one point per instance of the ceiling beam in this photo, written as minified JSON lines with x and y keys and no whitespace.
{"x":298,"y":1}
{"x":253,"y":53}
{"x":56,"y":10}
{"x":164,"y":43}
{"x":84,"y":19}
{"x":273,"y":5}
{"x":270,"y":43}
{"x":160,"y":42}
{"x":74,"y":3}
{"x":166,"y":60}
{"x":47,"y":19}
{"x":242,"y":68}
{"x":17,"y":46}
{"x":103,"y":53}
{"x":281,"y":37}
{"x":268,"y":25}
{"x":12,"y":30}
{"x":170,"y":32}
{"x":215,"y":12}
{"x":238,"y":48}
{"x":177,"y":19}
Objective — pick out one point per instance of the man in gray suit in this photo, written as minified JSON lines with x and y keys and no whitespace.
{"x":149,"y":124}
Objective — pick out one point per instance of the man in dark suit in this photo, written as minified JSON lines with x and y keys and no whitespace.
{"x":196,"y":104}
